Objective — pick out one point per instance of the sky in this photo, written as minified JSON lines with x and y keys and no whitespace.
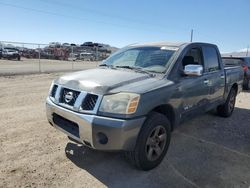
{"x":120,"y":23}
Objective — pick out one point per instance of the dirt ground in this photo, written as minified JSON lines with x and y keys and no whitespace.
{"x":207,"y":151}
{"x":10,"y":67}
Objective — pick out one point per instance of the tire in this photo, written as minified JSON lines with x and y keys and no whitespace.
{"x":152,"y":142}
{"x":227,"y":108}
{"x":246,"y":86}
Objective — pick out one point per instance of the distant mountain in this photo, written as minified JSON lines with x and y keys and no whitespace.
{"x":240,"y":53}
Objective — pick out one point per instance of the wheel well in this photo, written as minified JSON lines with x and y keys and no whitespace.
{"x":168,"y":111}
{"x":235,"y":86}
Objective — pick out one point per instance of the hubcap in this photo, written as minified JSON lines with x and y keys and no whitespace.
{"x":156,"y":143}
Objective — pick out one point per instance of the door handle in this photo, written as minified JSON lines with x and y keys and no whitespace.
{"x":206,"y":81}
{"x":222,"y":76}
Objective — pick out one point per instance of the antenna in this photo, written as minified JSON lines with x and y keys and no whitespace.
{"x":192,"y":31}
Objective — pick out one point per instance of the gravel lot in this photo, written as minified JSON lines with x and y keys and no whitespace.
{"x":207,"y":151}
{"x":10,"y":67}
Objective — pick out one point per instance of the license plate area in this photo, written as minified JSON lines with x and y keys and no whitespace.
{"x":67,"y":125}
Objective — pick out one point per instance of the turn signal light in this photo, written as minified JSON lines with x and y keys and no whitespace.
{"x":133,"y":105}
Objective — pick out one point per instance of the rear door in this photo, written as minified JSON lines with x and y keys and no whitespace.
{"x":214,"y":72}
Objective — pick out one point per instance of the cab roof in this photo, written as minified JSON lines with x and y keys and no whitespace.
{"x":169,"y":44}
{"x":159,"y":44}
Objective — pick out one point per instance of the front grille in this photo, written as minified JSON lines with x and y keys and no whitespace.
{"x":89,"y":102}
{"x":67,"y":125}
{"x":68,"y":96}
{"x":53,"y":91}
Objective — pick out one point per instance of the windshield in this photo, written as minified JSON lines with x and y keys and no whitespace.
{"x":152,"y":59}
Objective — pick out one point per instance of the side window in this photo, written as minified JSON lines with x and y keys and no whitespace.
{"x":211,"y":59}
{"x":193,"y":56}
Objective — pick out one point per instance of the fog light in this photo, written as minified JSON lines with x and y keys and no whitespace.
{"x":102,"y":138}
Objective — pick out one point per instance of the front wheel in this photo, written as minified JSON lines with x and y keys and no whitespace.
{"x":227,"y":108}
{"x":152,"y":143}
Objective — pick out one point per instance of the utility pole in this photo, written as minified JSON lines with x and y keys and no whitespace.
{"x":73,"y":56}
{"x":247,"y":50}
{"x":39,"y":56}
{"x":192,"y":32}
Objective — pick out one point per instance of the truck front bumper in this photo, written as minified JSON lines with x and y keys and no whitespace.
{"x":97,"y":132}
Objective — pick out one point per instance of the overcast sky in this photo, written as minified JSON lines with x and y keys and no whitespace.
{"x":119,"y":23}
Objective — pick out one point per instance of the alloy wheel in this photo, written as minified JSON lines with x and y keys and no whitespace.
{"x":156,"y":143}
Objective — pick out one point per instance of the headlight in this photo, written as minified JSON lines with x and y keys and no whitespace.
{"x":120,"y":103}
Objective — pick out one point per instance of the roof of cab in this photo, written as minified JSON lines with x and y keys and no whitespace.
{"x":159,"y":44}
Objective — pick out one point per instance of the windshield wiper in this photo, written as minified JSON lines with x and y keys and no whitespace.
{"x":103,"y":65}
{"x":106,"y":65}
{"x":137,"y":69}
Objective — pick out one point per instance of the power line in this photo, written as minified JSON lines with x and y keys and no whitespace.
{"x":113,"y":16}
{"x":92,"y":11}
{"x":151,"y":28}
{"x":78,"y":18}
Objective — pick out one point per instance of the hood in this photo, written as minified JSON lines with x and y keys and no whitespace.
{"x":106,"y":80}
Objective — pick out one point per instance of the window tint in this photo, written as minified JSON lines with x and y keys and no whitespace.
{"x":210,"y":59}
{"x":128,"y":57}
{"x":193,"y":56}
{"x":232,"y":61}
{"x":155,"y":59}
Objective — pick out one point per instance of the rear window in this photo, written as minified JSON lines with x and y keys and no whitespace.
{"x":235,"y":62}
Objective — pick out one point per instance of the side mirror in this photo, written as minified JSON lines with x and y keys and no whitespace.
{"x":193,"y":70}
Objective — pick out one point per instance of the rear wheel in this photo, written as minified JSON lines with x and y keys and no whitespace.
{"x":227,"y":108}
{"x":152,"y":142}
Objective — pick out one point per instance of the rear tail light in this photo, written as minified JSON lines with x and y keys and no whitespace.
{"x":245,"y":68}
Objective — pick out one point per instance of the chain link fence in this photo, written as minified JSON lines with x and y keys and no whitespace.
{"x":21,"y":58}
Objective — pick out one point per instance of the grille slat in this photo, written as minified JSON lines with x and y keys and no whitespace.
{"x":89,"y":102}
{"x":53,"y":91}
{"x":69,"y":96}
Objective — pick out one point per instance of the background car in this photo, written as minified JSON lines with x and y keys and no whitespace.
{"x":240,"y":61}
{"x":11,"y":53}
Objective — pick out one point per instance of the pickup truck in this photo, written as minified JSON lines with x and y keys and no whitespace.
{"x":244,"y":62}
{"x":139,"y":95}
{"x":11,"y":53}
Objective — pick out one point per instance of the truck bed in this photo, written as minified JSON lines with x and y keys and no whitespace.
{"x":234,"y":74}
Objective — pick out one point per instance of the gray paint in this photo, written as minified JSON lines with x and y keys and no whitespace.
{"x":185,"y":95}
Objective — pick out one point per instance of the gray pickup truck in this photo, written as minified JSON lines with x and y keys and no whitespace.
{"x":135,"y":98}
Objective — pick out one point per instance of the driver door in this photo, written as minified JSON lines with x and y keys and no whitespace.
{"x":193,"y":90}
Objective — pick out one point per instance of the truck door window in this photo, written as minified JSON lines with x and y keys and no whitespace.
{"x":193,"y":56}
{"x":211,"y":59}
